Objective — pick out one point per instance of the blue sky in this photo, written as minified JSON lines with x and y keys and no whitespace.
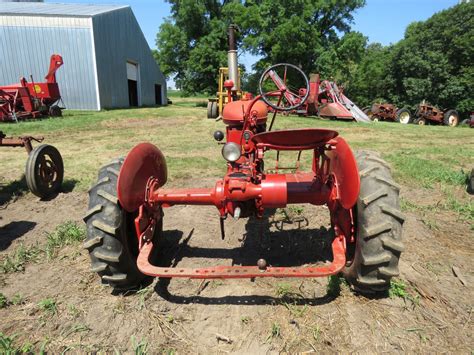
{"x":382,"y":21}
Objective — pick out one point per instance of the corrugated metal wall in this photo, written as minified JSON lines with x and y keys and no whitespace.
{"x":26,"y":50}
{"x":118,"y":39}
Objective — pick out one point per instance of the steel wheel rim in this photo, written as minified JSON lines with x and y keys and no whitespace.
{"x":452,"y":120}
{"x":404,"y":117}
{"x":47,"y":172}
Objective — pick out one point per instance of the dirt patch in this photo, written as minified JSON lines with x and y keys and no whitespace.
{"x":243,"y":316}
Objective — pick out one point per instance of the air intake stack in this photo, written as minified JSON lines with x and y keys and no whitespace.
{"x":232,"y":59}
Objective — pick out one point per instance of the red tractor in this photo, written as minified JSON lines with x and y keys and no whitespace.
{"x":426,"y":113}
{"x":32,"y":99}
{"x":388,"y":112}
{"x":125,"y":216}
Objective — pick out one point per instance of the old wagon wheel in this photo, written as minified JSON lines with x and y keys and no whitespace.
{"x":44,"y":171}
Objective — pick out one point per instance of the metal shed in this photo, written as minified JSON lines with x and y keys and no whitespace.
{"x":107,"y":61}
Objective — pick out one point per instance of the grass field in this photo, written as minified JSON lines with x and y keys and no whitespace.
{"x":431,"y":157}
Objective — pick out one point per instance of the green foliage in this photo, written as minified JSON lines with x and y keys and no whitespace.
{"x":192,"y":44}
{"x":397,"y":289}
{"x":433,"y":61}
{"x":66,"y":233}
{"x":49,"y":306}
{"x":3,"y":301}
{"x":334,"y":286}
{"x":15,"y":261}
{"x":139,"y":348}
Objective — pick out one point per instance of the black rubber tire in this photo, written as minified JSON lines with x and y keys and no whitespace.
{"x":39,"y":184}
{"x":447,"y":115}
{"x":420,"y":121}
{"x":55,"y":111}
{"x":111,"y":238}
{"x":470,"y":183}
{"x":215,"y":110}
{"x":379,"y":227}
{"x":402,"y":111}
{"x":209,"y":109}
{"x":212,"y":110}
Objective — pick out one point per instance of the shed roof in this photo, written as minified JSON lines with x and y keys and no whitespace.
{"x":51,"y":9}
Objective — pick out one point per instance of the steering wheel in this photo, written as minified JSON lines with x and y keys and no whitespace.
{"x":286,"y":92}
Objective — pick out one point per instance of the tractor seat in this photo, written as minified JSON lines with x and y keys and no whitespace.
{"x":294,"y":139}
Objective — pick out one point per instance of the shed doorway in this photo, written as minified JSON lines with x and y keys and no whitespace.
{"x":133,"y":84}
{"x":158,"y":100}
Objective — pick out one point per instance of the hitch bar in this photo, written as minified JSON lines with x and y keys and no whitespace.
{"x":240,"y":272}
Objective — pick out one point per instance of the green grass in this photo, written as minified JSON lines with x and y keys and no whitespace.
{"x":425,"y":172}
{"x":49,"y":306}
{"x":64,"y":234}
{"x":8,"y":346}
{"x":3,"y":301}
{"x":334,"y":286}
{"x":397,"y":289}
{"x":15,"y":261}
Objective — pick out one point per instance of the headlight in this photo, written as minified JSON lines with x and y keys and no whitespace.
{"x":231,"y":151}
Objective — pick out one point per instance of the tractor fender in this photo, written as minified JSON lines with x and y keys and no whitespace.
{"x":343,"y":167}
{"x":144,"y":161}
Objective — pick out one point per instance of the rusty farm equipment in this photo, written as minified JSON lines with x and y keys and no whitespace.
{"x":125,"y":216}
{"x":388,"y":112}
{"x":228,"y":80}
{"x":32,"y":99}
{"x":426,"y":113}
{"x":44,"y":170}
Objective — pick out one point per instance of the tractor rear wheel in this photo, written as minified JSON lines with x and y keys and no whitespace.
{"x":403,"y":116}
{"x":111,"y":238}
{"x":379,"y":227}
{"x":451,"y":118}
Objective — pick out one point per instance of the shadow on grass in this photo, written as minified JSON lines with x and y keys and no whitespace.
{"x":12,"y":231}
{"x":68,"y":185}
{"x":12,"y":190}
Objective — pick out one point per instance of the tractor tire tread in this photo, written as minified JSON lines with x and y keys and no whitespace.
{"x":91,"y":211}
{"x":102,"y":181}
{"x":92,"y":242}
{"x":372,"y":231}
{"x":108,"y":230}
{"x":367,"y":200}
{"x":379,"y":227}
{"x":104,"y":227}
{"x":111,"y":198}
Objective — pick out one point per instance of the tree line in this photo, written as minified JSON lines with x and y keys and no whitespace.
{"x":434,"y":60}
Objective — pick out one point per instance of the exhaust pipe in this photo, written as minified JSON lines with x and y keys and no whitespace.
{"x":232,"y":59}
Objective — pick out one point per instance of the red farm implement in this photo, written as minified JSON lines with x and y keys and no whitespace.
{"x":32,"y":99}
{"x":44,"y":167}
{"x":325,"y":99}
{"x":125,"y":216}
{"x":426,"y":113}
{"x":388,"y":112}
